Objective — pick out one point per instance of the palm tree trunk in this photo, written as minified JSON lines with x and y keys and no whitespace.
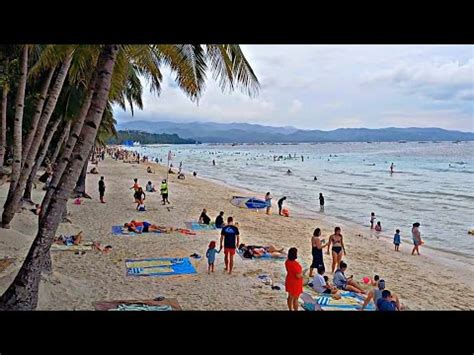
{"x":36,"y":117}
{"x":71,"y":142}
{"x":18,"y":122}
{"x":22,"y":294}
{"x":3,"y":121}
{"x":40,"y":159}
{"x":11,"y":205}
{"x":80,"y":189}
{"x":61,"y":140}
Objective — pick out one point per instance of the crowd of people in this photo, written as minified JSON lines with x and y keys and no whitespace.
{"x":230,"y":243}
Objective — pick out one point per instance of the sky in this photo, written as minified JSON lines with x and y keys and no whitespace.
{"x":334,"y":86}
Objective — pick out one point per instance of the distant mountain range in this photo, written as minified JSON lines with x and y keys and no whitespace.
{"x":209,"y":132}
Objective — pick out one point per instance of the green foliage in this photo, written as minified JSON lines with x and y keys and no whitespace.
{"x":149,"y":138}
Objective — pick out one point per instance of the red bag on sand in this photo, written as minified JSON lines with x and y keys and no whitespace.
{"x":285,"y":212}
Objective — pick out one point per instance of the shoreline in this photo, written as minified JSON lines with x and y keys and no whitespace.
{"x":442,"y":256}
{"x":80,"y":280}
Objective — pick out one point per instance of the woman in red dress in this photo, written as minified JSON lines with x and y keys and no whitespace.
{"x":294,"y":279}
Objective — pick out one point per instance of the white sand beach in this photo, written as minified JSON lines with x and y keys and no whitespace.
{"x":422,"y":282}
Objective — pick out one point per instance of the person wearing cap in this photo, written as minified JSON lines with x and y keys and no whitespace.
{"x":386,"y":302}
{"x":376,"y":293}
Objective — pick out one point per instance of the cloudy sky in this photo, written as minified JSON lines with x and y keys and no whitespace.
{"x":328,"y":87}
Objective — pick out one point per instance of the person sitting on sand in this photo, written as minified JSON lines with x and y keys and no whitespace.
{"x":37,"y":209}
{"x":220,"y":220}
{"x":142,"y":227}
{"x":204,"y":218}
{"x":181,"y":176}
{"x":386,"y":302}
{"x":320,"y":285}
{"x":345,"y":283}
{"x":94,"y":170}
{"x":148,"y":170}
{"x":150,"y":187}
{"x":256,"y":251}
{"x":139,"y":196}
{"x":378,"y":227}
{"x":170,"y":171}
{"x":376,"y":293}
{"x":69,"y":239}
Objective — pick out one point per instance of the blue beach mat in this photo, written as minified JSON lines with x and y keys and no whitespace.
{"x":117,"y":230}
{"x":195,"y":226}
{"x":350,"y":301}
{"x":266,"y":256}
{"x":159,"y":267}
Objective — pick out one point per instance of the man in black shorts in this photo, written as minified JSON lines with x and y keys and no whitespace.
{"x":280,"y":204}
{"x":102,"y":189}
{"x":230,"y":237}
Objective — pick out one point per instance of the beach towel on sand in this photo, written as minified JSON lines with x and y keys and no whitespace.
{"x":266,"y":256}
{"x":81,"y":247}
{"x":350,"y":301}
{"x":159,"y":267}
{"x":168,"y":304}
{"x":195,"y":226}
{"x":117,"y":230}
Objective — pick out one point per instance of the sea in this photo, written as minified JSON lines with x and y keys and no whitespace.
{"x":432,"y":183}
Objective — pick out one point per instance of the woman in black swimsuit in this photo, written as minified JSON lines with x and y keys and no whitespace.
{"x":317,"y":251}
{"x":337,"y":242}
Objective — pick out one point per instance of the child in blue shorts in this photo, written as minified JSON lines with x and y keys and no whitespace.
{"x":396,"y":239}
{"x":211,"y":256}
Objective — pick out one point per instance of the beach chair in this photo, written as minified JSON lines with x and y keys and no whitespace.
{"x":309,"y":304}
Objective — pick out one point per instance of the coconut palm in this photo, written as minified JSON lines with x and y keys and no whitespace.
{"x":18,"y":121}
{"x":189,"y":63}
{"x":17,"y":187}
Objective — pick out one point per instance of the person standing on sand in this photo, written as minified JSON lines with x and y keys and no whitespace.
{"x":164,"y":191}
{"x":317,"y":251}
{"x":268,"y":200}
{"x":135,"y":185}
{"x":230,"y":238}
{"x":280,"y":204}
{"x":321,"y":202}
{"x":337,"y":242}
{"x":416,"y":238}
{"x":372,"y":220}
{"x":101,"y":189}
{"x":294,"y":279}
{"x":396,"y":240}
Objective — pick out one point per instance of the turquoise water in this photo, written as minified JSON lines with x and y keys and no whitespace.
{"x":355,"y":180}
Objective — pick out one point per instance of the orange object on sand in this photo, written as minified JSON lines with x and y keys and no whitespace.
{"x":285,"y":212}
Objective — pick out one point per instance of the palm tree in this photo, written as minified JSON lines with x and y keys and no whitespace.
{"x":12,"y":204}
{"x":18,"y":121}
{"x":189,"y":62}
{"x":3,"y":119}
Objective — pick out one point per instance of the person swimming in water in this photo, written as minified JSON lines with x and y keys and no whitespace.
{"x":289,"y":172}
